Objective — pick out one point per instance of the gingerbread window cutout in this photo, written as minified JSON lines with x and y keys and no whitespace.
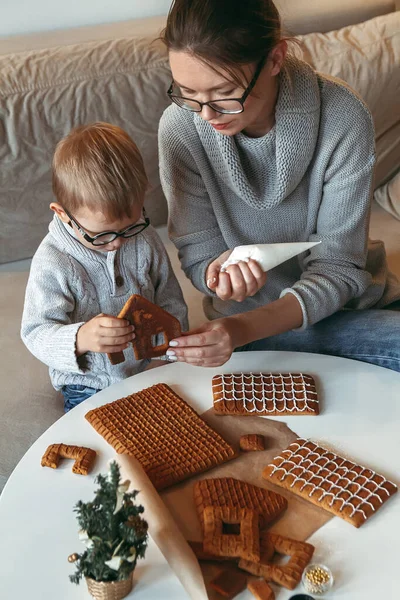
{"x":154,"y":329}
{"x":83,"y":457}
{"x":287,"y":575}
{"x":245,"y":544}
{"x":227,"y":491}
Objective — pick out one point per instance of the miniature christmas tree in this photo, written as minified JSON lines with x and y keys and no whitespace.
{"x":112,"y":529}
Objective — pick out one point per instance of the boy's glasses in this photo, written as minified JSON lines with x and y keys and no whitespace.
{"x":225,"y":106}
{"x":106,"y":237}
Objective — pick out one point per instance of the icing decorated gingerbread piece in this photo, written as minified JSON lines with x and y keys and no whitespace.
{"x":330,"y":481}
{"x":265,"y":394}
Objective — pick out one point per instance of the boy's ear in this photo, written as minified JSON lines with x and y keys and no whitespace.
{"x":58,"y":209}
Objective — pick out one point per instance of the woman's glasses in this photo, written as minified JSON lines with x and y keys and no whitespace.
{"x":225,"y":106}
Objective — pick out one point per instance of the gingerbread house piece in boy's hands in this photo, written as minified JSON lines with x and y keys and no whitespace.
{"x":152,"y":323}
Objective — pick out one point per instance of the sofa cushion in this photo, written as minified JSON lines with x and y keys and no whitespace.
{"x":44,"y":93}
{"x":28,"y":402}
{"x":388,"y":196}
{"x":367,"y":57}
{"x":305,"y":16}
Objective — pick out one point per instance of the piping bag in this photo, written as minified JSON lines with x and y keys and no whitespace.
{"x":268,"y":256}
{"x":164,"y":530}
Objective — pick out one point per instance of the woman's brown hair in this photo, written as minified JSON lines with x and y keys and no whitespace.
{"x":224,"y":33}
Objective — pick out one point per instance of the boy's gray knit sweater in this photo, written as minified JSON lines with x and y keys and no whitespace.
{"x":308,"y":179}
{"x":70,"y":284}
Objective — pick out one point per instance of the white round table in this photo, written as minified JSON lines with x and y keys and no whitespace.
{"x":360,"y":416}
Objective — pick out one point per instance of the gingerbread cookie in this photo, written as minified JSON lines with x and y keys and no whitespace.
{"x":163,"y":432}
{"x":252,"y":442}
{"x":229,"y":583}
{"x":150,"y":322}
{"x":330,"y":481}
{"x":83,"y":457}
{"x":287,"y":575}
{"x":227,"y":491}
{"x":265,"y":394}
{"x":219,"y":541}
{"x":202,"y":556}
{"x":260,"y":589}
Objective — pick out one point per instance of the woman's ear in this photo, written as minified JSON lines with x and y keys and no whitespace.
{"x":278,"y":56}
{"x":58,"y":209}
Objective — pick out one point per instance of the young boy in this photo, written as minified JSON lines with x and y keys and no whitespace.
{"x":100,"y":249}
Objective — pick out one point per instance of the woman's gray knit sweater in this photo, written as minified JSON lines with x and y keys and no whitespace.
{"x":308,"y":179}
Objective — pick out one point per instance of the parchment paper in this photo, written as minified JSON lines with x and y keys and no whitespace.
{"x":164,"y":530}
{"x":300,"y":519}
{"x":172,"y":516}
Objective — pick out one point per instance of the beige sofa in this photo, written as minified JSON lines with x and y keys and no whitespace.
{"x":118,"y":73}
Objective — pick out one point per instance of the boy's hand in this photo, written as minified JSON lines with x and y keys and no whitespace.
{"x":104,"y":333}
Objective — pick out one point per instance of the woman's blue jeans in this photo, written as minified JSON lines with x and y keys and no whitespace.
{"x":371,"y":336}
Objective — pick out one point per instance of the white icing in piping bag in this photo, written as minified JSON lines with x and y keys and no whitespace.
{"x":268,"y":256}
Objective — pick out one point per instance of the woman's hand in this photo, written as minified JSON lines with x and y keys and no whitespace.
{"x":104,"y":333}
{"x":210,"y":345}
{"x":238,"y":281}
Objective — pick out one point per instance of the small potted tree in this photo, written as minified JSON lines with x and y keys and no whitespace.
{"x":115,"y":536}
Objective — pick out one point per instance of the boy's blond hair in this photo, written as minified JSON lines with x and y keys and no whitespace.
{"x":99,"y":166}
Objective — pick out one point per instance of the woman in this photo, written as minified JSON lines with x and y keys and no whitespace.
{"x":259,"y":148}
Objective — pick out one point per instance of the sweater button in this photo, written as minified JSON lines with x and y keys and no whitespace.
{"x":119,"y":280}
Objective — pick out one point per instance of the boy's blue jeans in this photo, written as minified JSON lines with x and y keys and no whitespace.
{"x":75,"y":394}
{"x":371,"y":336}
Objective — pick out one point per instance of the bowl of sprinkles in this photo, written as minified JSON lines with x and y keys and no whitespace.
{"x":317,"y":579}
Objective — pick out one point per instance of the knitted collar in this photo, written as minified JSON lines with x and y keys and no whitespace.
{"x":67,"y":242}
{"x":297,"y":117}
